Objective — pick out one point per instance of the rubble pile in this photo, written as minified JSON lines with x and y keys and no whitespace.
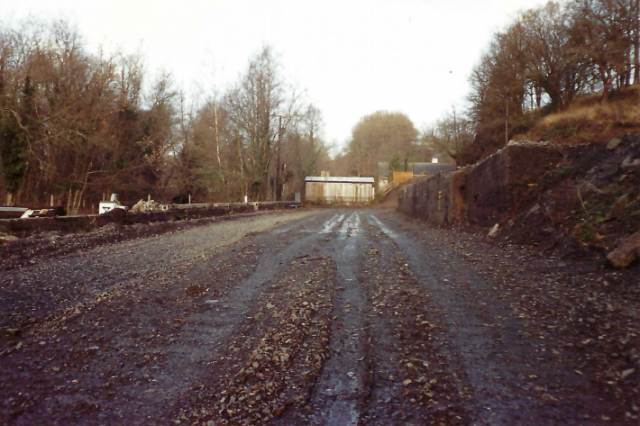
{"x":146,"y":206}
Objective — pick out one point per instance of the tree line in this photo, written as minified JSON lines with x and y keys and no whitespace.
{"x":76,"y":126}
{"x":538,"y":65}
{"x":382,"y":136}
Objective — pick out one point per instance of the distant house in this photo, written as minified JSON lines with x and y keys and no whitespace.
{"x":327,"y":189}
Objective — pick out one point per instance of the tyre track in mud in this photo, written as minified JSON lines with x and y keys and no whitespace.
{"x":340,"y":389}
{"x":268,"y":369}
{"x":344,"y":317}
{"x":33,"y":295}
{"x":412,"y":381}
{"x":379,"y":338}
{"x":117,"y":359}
{"x":512,"y":382}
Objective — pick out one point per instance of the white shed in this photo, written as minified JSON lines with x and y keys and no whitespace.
{"x":339,"y":190}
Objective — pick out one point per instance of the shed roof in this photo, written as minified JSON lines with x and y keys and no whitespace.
{"x":339,"y":179}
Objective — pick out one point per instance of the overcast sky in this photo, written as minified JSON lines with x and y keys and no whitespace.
{"x":352,"y":57}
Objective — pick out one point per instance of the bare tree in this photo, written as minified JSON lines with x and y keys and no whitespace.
{"x":450,"y":136}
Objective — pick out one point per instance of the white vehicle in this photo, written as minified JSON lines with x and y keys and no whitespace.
{"x":107,"y":206}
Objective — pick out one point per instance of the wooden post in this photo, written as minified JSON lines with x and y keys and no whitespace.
{"x":51,"y":200}
{"x":70,"y":201}
{"x":189,"y":198}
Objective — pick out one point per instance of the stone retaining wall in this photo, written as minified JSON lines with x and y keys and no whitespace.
{"x":480,"y":194}
{"x":439,"y":198}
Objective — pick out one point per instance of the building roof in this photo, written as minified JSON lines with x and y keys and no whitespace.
{"x":416,"y":168}
{"x":337,"y":179}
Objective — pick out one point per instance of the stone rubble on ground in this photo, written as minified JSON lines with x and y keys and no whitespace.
{"x":494,"y":231}
{"x":8,"y":239}
{"x":617,"y":209}
{"x":626,"y":254}
{"x":613,"y":143}
{"x":628,"y":163}
{"x":145,"y":206}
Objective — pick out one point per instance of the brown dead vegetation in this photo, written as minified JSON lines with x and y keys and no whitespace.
{"x":589,"y":120}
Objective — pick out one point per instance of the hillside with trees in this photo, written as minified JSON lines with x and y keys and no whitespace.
{"x":76,"y":126}
{"x":566,"y":72}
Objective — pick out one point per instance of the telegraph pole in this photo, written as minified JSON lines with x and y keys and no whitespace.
{"x":280,"y":134}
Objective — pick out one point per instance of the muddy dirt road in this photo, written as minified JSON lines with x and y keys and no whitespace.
{"x":328,"y":317}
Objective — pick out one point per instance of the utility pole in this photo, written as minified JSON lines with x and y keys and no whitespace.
{"x":220,"y":169}
{"x":280,"y":134}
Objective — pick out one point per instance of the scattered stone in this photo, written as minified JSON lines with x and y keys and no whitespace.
{"x":627,"y":373}
{"x":628,"y":163}
{"x":589,"y":187}
{"x":494,"y":231}
{"x":617,"y":210}
{"x":13,"y":332}
{"x":613,"y":143}
{"x":625,"y":255}
{"x":8,"y":239}
{"x":195,"y":290}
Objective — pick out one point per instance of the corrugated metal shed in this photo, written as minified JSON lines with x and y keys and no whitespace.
{"x":339,"y":190}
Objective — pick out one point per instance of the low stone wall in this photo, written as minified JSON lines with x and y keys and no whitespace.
{"x":70,"y":224}
{"x":439,"y":198}
{"x":480,"y":194}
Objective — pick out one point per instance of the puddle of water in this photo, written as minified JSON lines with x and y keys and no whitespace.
{"x":350,"y":227}
{"x":331,"y":223}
